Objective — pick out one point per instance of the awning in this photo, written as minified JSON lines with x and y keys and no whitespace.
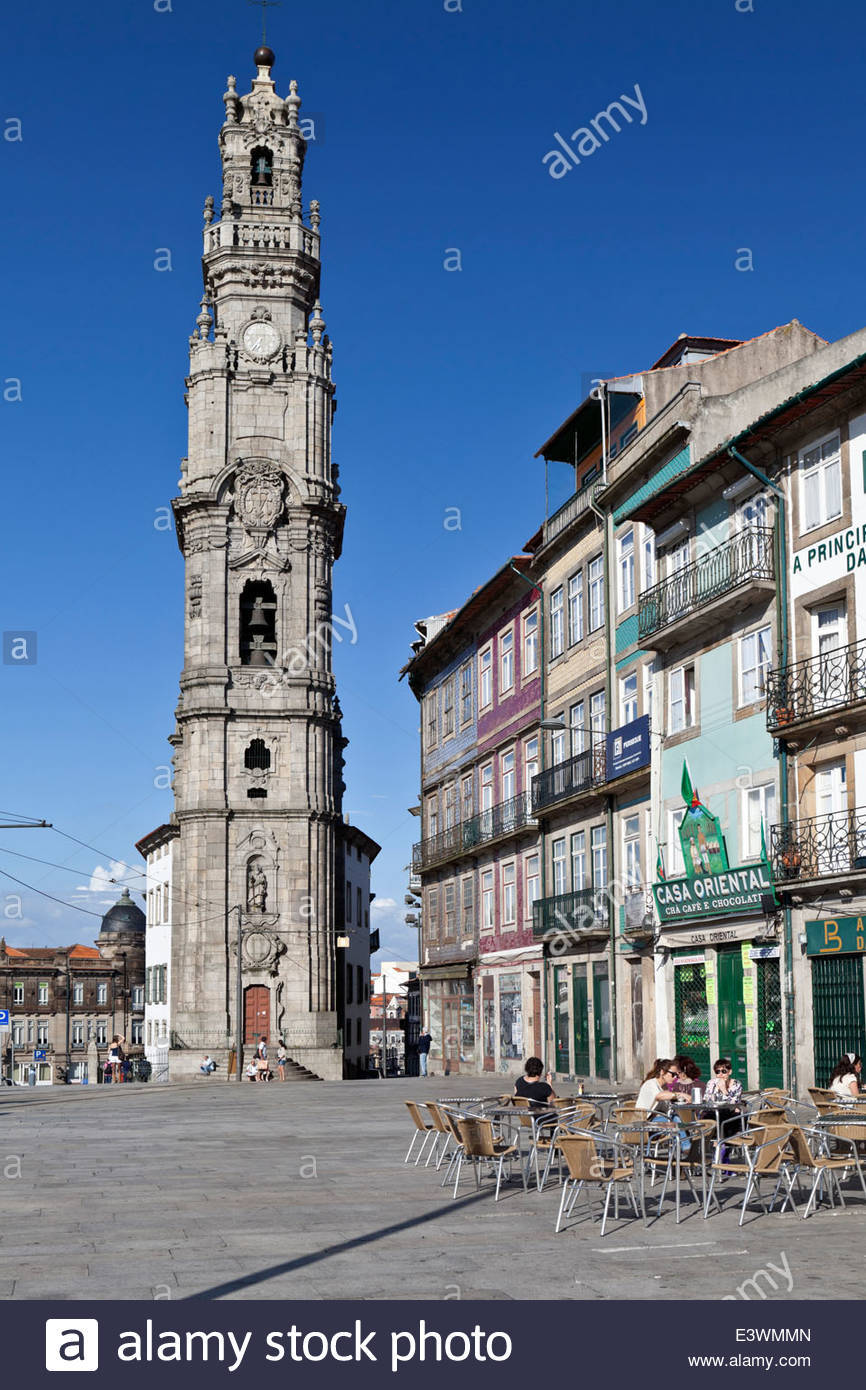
{"x":444,"y":972}
{"x":721,"y":934}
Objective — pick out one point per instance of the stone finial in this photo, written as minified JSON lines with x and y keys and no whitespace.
{"x":315,"y":215}
{"x":317,"y":323}
{"x":203,"y":320}
{"x":293,"y":105}
{"x":208,"y":210}
{"x":232,"y":101}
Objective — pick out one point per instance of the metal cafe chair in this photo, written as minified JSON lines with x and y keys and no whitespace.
{"x":801,"y":1159}
{"x":763,"y":1151}
{"x":482,"y":1146}
{"x":444,"y":1136}
{"x":594,"y":1159}
{"x":421,"y":1128}
{"x":545,"y":1135}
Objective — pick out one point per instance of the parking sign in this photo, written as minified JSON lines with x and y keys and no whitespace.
{"x":4,"y":1018}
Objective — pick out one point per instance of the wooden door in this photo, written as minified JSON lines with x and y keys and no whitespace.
{"x":257,"y":1014}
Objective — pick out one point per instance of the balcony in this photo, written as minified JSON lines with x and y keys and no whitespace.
{"x":576,"y":505}
{"x":821,"y":847}
{"x":819,"y":688}
{"x":582,"y":913}
{"x":696,"y":598}
{"x":584,"y":772}
{"x":466,"y":836}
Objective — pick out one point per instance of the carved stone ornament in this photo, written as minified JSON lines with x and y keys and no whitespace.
{"x":261,"y":948}
{"x":259,"y":496}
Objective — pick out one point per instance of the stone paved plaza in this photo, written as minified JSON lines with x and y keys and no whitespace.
{"x":217,"y":1190}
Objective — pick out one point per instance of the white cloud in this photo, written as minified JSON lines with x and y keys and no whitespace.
{"x":108,"y":884}
{"x":384,"y":905}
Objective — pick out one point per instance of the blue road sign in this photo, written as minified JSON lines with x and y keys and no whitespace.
{"x":39,"y":1055}
{"x":4,"y":1018}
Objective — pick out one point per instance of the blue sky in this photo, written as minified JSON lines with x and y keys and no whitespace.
{"x":434,"y":123}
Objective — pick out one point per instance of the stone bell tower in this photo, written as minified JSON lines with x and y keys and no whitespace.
{"x":258,"y":766}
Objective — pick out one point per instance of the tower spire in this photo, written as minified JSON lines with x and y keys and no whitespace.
{"x":265,"y":5}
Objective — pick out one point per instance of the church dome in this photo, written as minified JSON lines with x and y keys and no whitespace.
{"x":124,"y":916}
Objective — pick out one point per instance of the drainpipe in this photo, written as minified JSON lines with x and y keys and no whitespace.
{"x":781,"y":557}
{"x":604,"y":517}
{"x":541,"y":761}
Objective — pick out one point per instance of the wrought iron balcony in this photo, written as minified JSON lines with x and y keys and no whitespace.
{"x":564,"y":780}
{"x":567,"y":914}
{"x":822,"y":846}
{"x":823,"y":684}
{"x":462,"y":838}
{"x":744,"y":560}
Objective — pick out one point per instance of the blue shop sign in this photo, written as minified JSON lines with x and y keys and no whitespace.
{"x":628,"y":748}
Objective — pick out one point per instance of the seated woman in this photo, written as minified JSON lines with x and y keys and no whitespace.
{"x":688,"y":1074}
{"x":653,"y":1095}
{"x":722,"y":1087}
{"x":531,"y":1087}
{"x":845,"y":1080}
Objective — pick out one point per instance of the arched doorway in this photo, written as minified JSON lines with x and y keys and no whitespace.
{"x":257,"y":1014}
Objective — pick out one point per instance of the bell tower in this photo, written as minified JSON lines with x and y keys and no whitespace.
{"x":258,"y":743}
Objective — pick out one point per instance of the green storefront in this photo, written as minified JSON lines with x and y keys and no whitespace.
{"x":836,"y":946}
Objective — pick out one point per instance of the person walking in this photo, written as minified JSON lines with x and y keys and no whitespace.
{"x":282,"y":1059}
{"x":262,"y":1060}
{"x":115,"y":1058}
{"x":424,"y":1041}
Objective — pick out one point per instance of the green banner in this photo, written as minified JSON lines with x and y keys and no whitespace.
{"x":836,"y":935}
{"x":714,"y":895}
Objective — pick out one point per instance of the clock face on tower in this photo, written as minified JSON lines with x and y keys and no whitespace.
{"x":261,"y":340}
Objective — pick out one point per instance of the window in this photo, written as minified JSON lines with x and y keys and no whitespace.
{"x":759,"y":813}
{"x":101,"y":1034}
{"x":578,"y":860}
{"x":487,"y":900}
{"x":78,"y":1035}
{"x":148,"y":985}
{"x":430,"y":722}
{"x":450,"y":806}
{"x":829,"y":633}
{"x":30,"y":1030}
{"x":485,"y":689}
{"x":577,"y":724}
{"x":466,"y":799}
{"x":18,"y":992}
{"x":596,"y":594}
{"x":433,"y":913}
{"x":165,"y":894}
{"x":631,"y":850}
{"x":42,"y":992}
{"x":597,"y":715}
{"x":359,"y":909}
{"x":822,"y":483}
{"x":506,"y":771}
{"x":451,"y":910}
{"x":530,"y":768}
{"x":506,"y":662}
{"x":559,"y":865}
{"x":137,"y":1031}
{"x":754,"y":664}
{"x":432,"y":816}
{"x":625,"y":565}
{"x":648,"y":686}
{"x":649,"y":559}
{"x":557,"y":744}
{"x":487,"y":786}
{"x":465,"y":695}
{"x":557,"y":638}
{"x":533,"y":883}
{"x":598,"y":842}
{"x":467,"y":911}
{"x":509,"y":895}
{"x":138,"y":996}
{"x":510,"y":1017}
{"x":42,"y":1035}
{"x":18,"y":1034}
{"x":675,"y":866}
{"x":530,"y":642}
{"x":257,"y":755}
{"x":575,"y":608}
{"x":78,"y":992}
{"x":682,"y":695}
{"x":448,"y":709}
{"x":348,"y":903}
{"x":628,"y":697}
{"x":677,"y":557}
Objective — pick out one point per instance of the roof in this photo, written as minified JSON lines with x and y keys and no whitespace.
{"x":154,"y":838}
{"x":353,"y":836}
{"x":37,"y":953}
{"x":124,"y":916}
{"x":466,"y":617}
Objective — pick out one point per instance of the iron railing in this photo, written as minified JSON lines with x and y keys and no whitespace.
{"x":744,"y":559}
{"x":584,"y":909}
{"x":834,"y":843}
{"x":564,"y":780}
{"x":829,"y":681}
{"x":497,"y":821}
{"x":576,"y":505}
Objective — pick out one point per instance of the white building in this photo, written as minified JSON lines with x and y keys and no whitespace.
{"x":156,"y":850}
{"x":359,"y":852}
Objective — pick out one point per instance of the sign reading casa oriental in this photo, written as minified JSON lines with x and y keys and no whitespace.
{"x":711,"y":887}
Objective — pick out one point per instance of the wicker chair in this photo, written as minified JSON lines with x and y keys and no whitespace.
{"x":763,"y":1152}
{"x":444,"y":1134}
{"x":594,"y":1160}
{"x":819,"y":1166}
{"x":481,"y":1145}
{"x":545,"y":1136}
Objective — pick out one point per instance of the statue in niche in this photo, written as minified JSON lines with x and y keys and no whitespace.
{"x":257,"y":887}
